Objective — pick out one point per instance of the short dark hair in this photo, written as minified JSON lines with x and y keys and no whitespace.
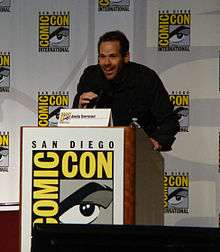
{"x":116,"y":36}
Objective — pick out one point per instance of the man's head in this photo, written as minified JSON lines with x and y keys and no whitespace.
{"x":113,"y":53}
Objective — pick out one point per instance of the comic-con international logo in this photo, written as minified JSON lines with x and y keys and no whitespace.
{"x":72,"y":186}
{"x":49,"y":106}
{"x":180,"y":100}
{"x":4,"y":151}
{"x":176,"y":193}
{"x":4,"y":71}
{"x":113,"y":5}
{"x":5,"y":5}
{"x":54,"y":32}
{"x":174,"y":31}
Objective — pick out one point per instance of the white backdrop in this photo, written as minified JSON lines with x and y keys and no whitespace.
{"x":33,"y":75}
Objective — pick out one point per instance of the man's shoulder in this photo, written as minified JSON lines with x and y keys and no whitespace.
{"x":142,"y":69}
{"x":145,"y":76}
{"x":92,"y":72}
{"x":92,"y":68}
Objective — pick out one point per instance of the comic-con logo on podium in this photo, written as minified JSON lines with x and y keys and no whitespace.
{"x":4,"y":151}
{"x":49,"y":106}
{"x":54,"y":31}
{"x":5,"y":5}
{"x":113,"y":5}
{"x":180,"y":101}
{"x":176,"y":193}
{"x":174,"y":30}
{"x":72,"y":186}
{"x":4,"y":71}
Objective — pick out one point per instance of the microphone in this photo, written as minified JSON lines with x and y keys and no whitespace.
{"x":93,"y":103}
{"x":134,"y":123}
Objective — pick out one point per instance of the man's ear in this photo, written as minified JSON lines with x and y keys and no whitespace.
{"x":127,"y":57}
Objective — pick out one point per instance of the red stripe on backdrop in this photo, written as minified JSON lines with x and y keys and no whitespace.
{"x":9,"y":233}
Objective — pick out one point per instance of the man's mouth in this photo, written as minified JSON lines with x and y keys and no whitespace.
{"x":108,"y":71}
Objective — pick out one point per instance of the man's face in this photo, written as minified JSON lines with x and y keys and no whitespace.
{"x":110,"y":59}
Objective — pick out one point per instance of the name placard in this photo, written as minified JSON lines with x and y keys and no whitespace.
{"x":85,"y":117}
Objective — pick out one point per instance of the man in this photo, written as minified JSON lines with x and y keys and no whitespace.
{"x":131,"y":90}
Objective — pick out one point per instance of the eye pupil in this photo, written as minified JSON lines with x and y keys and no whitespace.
{"x":87,"y":209}
{"x":178,"y":197}
{"x":179,"y":35}
{"x":59,"y":36}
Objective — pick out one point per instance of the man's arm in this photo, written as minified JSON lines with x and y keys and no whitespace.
{"x":85,"y":91}
{"x":166,"y":120}
{"x":86,"y":98}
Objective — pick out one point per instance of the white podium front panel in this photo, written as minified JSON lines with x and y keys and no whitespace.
{"x":71,"y":175}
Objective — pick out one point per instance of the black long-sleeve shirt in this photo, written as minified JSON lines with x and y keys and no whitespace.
{"x":137,"y":92}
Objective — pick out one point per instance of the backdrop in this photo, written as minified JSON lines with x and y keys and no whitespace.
{"x":46,"y":44}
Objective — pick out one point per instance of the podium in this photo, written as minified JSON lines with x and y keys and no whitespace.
{"x":76,"y":175}
{"x":107,"y":175}
{"x":149,"y":169}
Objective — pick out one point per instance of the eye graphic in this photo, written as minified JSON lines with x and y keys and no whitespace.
{"x":54,"y":116}
{"x":182,"y":113}
{"x":83,"y":213}
{"x":59,"y":36}
{"x":177,"y":197}
{"x":3,"y":155}
{"x":4,"y":73}
{"x":179,"y":34}
{"x":2,"y":78}
{"x":83,"y":206}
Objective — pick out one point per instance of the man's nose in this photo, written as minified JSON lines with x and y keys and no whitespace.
{"x":107,"y":61}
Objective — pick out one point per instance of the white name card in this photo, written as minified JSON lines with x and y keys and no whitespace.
{"x":85,"y":117}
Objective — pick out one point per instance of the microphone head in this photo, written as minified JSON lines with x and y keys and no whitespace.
{"x":92,"y":103}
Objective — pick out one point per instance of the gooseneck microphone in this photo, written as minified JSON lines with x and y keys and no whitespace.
{"x":94,"y":102}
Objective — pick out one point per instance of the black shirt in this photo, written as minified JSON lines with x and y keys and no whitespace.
{"x":137,"y":92}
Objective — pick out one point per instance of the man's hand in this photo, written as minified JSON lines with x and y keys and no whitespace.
{"x":85,"y":99}
{"x":156,"y":145}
